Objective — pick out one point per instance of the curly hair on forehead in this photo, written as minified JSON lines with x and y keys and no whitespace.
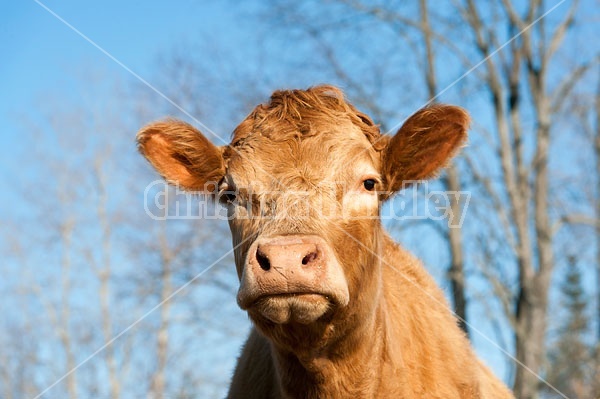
{"x":301,"y":113}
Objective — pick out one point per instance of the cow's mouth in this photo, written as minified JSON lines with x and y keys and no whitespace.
{"x":300,"y":307}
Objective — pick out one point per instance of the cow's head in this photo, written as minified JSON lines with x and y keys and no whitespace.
{"x":303,"y":180}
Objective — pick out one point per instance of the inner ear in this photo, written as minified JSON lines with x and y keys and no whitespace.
{"x":182,"y":155}
{"x":425,"y":143}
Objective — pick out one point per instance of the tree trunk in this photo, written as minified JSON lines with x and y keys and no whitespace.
{"x":533,"y":303}
{"x":597,"y":154}
{"x":456,"y":271}
{"x":162,"y":335}
{"x":65,"y":319}
{"x":530,"y":347}
{"x":104,"y":276}
{"x":452,"y":183}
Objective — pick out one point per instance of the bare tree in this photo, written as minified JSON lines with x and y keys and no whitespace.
{"x":80,"y":276}
{"x":104,"y":275}
{"x":453,"y":234}
{"x":521,"y":74}
{"x":597,"y":156}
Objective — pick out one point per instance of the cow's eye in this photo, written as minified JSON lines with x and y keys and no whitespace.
{"x":369,"y":184}
{"x":227,"y":194}
{"x":227,"y":197}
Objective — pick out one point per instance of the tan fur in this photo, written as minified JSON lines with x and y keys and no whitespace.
{"x":306,"y":154}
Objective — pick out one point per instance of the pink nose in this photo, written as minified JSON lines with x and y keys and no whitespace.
{"x":291,"y":265}
{"x":286,"y":255}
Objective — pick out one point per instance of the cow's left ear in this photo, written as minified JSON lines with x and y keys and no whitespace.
{"x":424,"y":145}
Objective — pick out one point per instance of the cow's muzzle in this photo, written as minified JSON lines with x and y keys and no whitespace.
{"x":294,"y":278}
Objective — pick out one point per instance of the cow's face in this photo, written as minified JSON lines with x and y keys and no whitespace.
{"x":302,"y":199}
{"x":302,"y":182}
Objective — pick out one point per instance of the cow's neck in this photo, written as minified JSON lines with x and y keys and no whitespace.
{"x":346,"y":369}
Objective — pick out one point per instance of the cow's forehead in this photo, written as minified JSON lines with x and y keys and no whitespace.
{"x":319,"y":155}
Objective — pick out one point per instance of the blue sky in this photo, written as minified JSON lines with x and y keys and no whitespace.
{"x":43,"y":55}
{"x":43,"y":51}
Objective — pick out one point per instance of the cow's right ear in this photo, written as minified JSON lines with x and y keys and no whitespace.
{"x":182,"y":155}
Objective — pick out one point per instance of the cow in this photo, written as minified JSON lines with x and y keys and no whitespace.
{"x":338,"y":309}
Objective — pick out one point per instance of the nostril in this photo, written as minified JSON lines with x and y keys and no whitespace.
{"x":309,"y":258}
{"x":263,"y":261}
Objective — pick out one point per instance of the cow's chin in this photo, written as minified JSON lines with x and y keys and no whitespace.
{"x":303,"y":308}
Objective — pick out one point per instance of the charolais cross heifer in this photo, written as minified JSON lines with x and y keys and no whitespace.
{"x":338,"y":309}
